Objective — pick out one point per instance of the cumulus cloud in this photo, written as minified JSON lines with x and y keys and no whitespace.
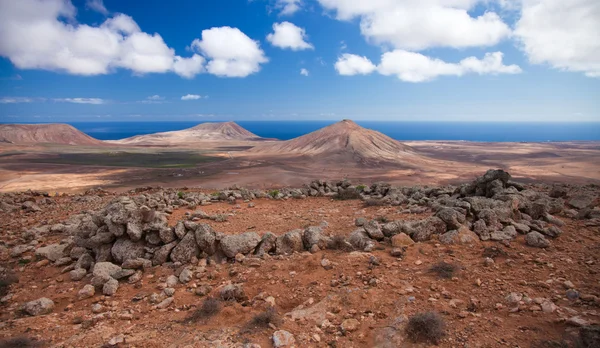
{"x":421,"y":24}
{"x":304,"y":72}
{"x":97,"y":5}
{"x":288,"y":7}
{"x":230,"y":52}
{"x":44,"y":34}
{"x":191,"y":97}
{"x":287,"y":35}
{"x":94,"y":101}
{"x":415,"y":67}
{"x":562,"y":34}
{"x":352,"y":64}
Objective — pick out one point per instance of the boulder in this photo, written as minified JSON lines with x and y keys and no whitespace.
{"x":314,"y":236}
{"x":242,"y":243}
{"x":360,"y":239}
{"x":374,"y":230}
{"x":402,"y":240}
{"x":451,"y":217}
{"x":581,"y":201}
{"x":206,"y":238}
{"x":52,"y":252}
{"x":161,"y":255}
{"x":110,"y":287}
{"x":289,"y":242}
{"x":38,"y":307}
{"x":536,"y":239}
{"x":106,"y":270}
{"x":134,"y":231}
{"x":266,"y":245}
{"x":422,"y":230}
{"x":508,"y":233}
{"x":125,"y":249}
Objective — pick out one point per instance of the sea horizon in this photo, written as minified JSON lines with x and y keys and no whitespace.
{"x":399,"y":130}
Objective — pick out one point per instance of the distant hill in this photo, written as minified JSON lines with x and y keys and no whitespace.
{"x":204,"y":132}
{"x":45,"y":133}
{"x":344,"y":138}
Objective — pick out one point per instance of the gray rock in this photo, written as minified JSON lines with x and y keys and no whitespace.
{"x":52,"y":252}
{"x":138,"y":263}
{"x":206,"y":238}
{"x":77,"y":274}
{"x":110,"y":287}
{"x":167,"y":235}
{"x":233,"y":292}
{"x":39,"y":307}
{"x":134,"y":278}
{"x":30,"y":206}
{"x":314,"y":236}
{"x":452,"y":218}
{"x":422,"y":230}
{"x":85,"y":261}
{"x":134,"y":231}
{"x":172,"y":281}
{"x":105,"y":271}
{"x":241,"y":243}
{"x":360,"y":239}
{"x":266,"y":245}
{"x":87,"y":291}
{"x":361,"y":221}
{"x":186,"y":275}
{"x":186,"y":249}
{"x":282,"y":338}
{"x":581,"y":201}
{"x":125,"y":249}
{"x":374,"y":230}
{"x":165,"y":303}
{"x":521,"y":228}
{"x":508,"y":233}
{"x":552,"y":232}
{"x":289,"y":242}
{"x":391,"y":229}
{"x":536,"y":239}
{"x":180,"y":230}
{"x":161,"y":255}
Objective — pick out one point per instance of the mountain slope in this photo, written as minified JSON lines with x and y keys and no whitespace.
{"x":45,"y":133}
{"x":342,"y":138}
{"x":204,"y":132}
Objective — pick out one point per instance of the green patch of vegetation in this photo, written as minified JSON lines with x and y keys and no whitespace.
{"x":361,"y":188}
{"x":180,"y":194}
{"x":274,"y":193}
{"x":24,"y":261}
{"x":215,"y":194}
{"x":130,"y":159}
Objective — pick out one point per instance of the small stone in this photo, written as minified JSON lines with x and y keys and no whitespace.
{"x":418,"y":262}
{"x":86,"y":292}
{"x":350,"y":325}
{"x":165,"y":303}
{"x":513,"y":298}
{"x":488,"y":261}
{"x":203,"y":290}
{"x":397,"y":252}
{"x":326,"y":264}
{"x":402,"y":240}
{"x":77,"y":274}
{"x":172,"y":281}
{"x":283,"y":338}
{"x":169,"y":292}
{"x":548,"y":307}
{"x":239,"y":257}
{"x":116,"y":340}
{"x":185,"y":276}
{"x":572,"y":294}
{"x":97,"y":308}
{"x":38,"y":307}
{"x":110,"y":287}
{"x":569,"y":285}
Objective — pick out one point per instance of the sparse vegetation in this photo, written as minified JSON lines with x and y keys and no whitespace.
{"x":274,"y":193}
{"x":361,"y":188}
{"x":19,"y":342}
{"x":549,"y":344}
{"x":180,"y":194}
{"x":444,"y":270}
{"x":24,"y":261}
{"x":264,"y":319}
{"x":339,"y":243}
{"x":220,"y":218}
{"x":382,"y":219}
{"x":589,"y":337}
{"x":7,"y":279}
{"x":428,"y":327}
{"x":210,"y":307}
{"x":374,"y":202}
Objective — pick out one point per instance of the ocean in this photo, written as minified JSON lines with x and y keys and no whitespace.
{"x":284,"y":130}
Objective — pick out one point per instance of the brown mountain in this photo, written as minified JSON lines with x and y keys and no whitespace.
{"x":345,"y":139}
{"x":204,"y":132}
{"x":44,"y":133}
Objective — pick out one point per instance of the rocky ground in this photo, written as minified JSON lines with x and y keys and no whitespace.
{"x":490,"y":263}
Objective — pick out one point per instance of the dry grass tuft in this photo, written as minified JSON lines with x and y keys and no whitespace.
{"x":426,"y":327}
{"x":444,"y":270}
{"x":339,"y":243}
{"x":19,"y":342}
{"x":210,"y":307}
{"x":264,"y":319}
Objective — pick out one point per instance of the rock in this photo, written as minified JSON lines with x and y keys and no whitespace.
{"x":289,"y":242}
{"x":350,"y":325}
{"x":402,"y":240}
{"x":30,"y":207}
{"x":206,"y":238}
{"x":138,"y":263}
{"x":97,"y":308}
{"x":38,"y":307}
{"x":552,"y":232}
{"x":521,"y":228}
{"x":374,"y":230}
{"x":326,"y":264}
{"x":169,"y":292}
{"x":581,"y":201}
{"x":85,"y":261}
{"x":179,"y":230}
{"x":548,"y":307}
{"x":77,"y":274}
{"x":86,"y":292}
{"x":422,"y":230}
{"x":110,"y":287}
{"x":572,"y":294}
{"x":462,"y":236}
{"x":397,"y":252}
{"x":577,"y":321}
{"x":186,"y":275}
{"x":537,"y":240}
{"x":167,"y":235}
{"x":451,"y":217}
{"x":514,"y":298}
{"x":360,"y":239}
{"x":124,"y":249}
{"x":266,"y":245}
{"x":203,"y":290}
{"x":134,"y":278}
{"x":508,"y":233}
{"x":105,"y":270}
{"x":134,"y":231}
{"x":282,"y":338}
{"x":314,"y":236}
{"x":116,"y":340}
{"x":52,"y":252}
{"x":233,"y":292}
{"x":186,"y":249}
{"x":360,"y":221}
{"x":161,"y":255}
{"x":241,"y":243}
{"x":165,"y":303}
{"x":172,"y":281}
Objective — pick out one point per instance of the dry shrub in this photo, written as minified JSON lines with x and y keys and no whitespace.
{"x":7,"y":278}
{"x":494,"y":252}
{"x":210,"y":307}
{"x":549,"y":344}
{"x":339,"y":243}
{"x":589,"y":337}
{"x":263,"y":319}
{"x":444,"y":270}
{"x":426,"y":327}
{"x":375,"y":202}
{"x":19,"y":342}
{"x":348,"y":194}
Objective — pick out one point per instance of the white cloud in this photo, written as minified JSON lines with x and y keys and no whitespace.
{"x":231,"y":53}
{"x":421,"y":24}
{"x":44,"y":34}
{"x":15,"y":100}
{"x":288,"y":7}
{"x":304,"y":72}
{"x":562,"y":34}
{"x":352,"y":64}
{"x":287,"y":35}
{"x":94,"y":101}
{"x":155,"y":97}
{"x":191,"y":97}
{"x":97,"y":5}
{"x":415,"y":67}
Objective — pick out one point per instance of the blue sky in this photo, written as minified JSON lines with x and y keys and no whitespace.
{"x":378,"y":60}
